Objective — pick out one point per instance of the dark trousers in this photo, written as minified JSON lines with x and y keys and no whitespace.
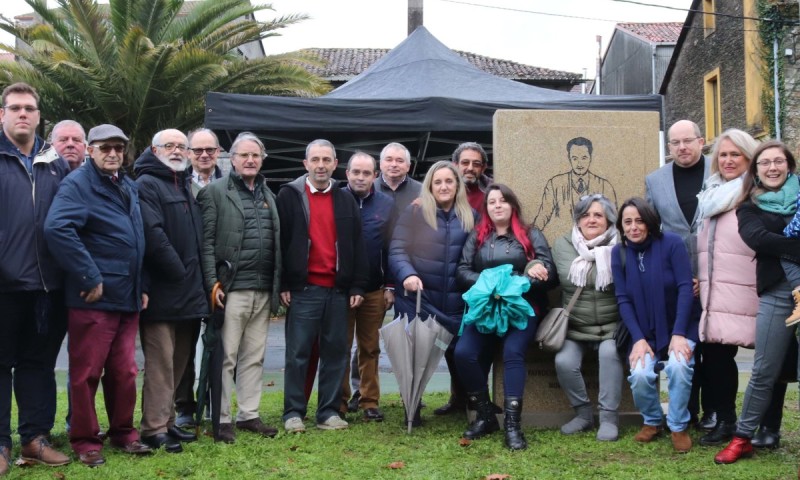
{"x":102,"y":344}
{"x":185,"y":403}
{"x":315,"y":313}
{"x":475,"y":351}
{"x":721,"y":380}
{"x":33,"y":326}
{"x":700,"y":396}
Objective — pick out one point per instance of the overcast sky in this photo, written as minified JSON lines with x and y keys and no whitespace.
{"x":544,"y":33}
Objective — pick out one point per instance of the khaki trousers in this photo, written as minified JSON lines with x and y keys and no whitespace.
{"x":167,"y":347}
{"x":244,"y":339}
{"x":364,"y":322}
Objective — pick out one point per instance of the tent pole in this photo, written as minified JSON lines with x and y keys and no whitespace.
{"x":422,"y":151}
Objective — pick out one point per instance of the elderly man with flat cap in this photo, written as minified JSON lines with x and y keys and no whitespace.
{"x":95,"y":231}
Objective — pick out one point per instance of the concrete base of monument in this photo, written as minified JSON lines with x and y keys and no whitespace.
{"x":545,"y":404}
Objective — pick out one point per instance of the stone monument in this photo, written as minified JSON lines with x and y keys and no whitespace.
{"x":551,"y":159}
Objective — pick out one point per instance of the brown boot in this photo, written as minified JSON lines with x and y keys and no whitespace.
{"x":795,"y":316}
{"x":5,"y":460}
{"x":647,"y":434}
{"x":39,"y":450}
{"x":681,"y":441}
{"x":255,"y":425}
{"x":226,"y":433}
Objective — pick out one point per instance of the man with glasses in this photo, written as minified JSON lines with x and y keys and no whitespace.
{"x":94,"y":229}
{"x":471,"y":160}
{"x":173,"y":229}
{"x":672,"y":190}
{"x":69,"y":140}
{"x":31,"y":296}
{"x":242,"y":262}
{"x":203,"y":153}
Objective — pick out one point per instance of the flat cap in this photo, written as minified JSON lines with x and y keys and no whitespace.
{"x":105,"y":132}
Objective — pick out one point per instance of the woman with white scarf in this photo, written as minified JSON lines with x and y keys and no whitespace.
{"x":583,"y":259}
{"x":727,"y":275}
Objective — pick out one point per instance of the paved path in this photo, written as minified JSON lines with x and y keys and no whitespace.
{"x":276,"y":351}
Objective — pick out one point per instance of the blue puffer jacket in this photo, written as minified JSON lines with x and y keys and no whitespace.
{"x":433,"y":256}
{"x":377,"y":211}
{"x":25,"y":198}
{"x":97,"y":237}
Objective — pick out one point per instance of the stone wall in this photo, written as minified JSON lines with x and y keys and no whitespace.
{"x":700,"y":55}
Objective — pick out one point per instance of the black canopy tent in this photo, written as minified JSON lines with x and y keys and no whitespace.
{"x":421,"y":94}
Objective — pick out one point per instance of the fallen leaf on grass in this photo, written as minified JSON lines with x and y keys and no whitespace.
{"x":59,"y":476}
{"x":270,"y":384}
{"x":396,"y":465}
{"x":160,"y":473}
{"x":464,"y":442}
{"x":293,"y":448}
{"x":497,"y":476}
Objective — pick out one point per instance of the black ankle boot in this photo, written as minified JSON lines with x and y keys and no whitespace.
{"x":515,"y":439}
{"x":485,"y":419}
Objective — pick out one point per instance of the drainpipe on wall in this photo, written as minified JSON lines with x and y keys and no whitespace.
{"x":414,"y":15}
{"x":653,"y":70}
{"x":776,"y":93}
{"x":599,"y":64}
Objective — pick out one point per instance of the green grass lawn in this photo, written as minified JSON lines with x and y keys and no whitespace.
{"x":366,"y":450}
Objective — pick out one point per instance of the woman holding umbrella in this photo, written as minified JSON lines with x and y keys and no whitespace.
{"x":425,"y":249}
{"x":499,"y":239}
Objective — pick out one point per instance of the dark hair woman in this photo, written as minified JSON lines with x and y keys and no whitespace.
{"x":769,"y":200}
{"x":501,"y":238}
{"x":653,"y":285}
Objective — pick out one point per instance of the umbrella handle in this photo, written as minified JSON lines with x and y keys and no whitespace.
{"x":419,"y":301}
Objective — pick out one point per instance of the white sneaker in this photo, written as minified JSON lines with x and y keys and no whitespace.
{"x":294,"y":425}
{"x":334,"y":422}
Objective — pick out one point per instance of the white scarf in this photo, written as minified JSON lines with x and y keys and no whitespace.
{"x":597,"y":250}
{"x":717,"y":196}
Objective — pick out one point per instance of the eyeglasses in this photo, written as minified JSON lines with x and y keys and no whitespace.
{"x":207,"y":150}
{"x":248,"y":156}
{"x":778,"y":162}
{"x":105,"y":148}
{"x":475,"y":164}
{"x":18,"y":108}
{"x":173,"y":146}
{"x":685,"y":141}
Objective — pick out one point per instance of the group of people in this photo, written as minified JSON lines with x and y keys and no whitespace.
{"x":101,"y":256}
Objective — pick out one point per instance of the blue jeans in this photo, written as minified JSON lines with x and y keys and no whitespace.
{"x":474,"y":353}
{"x":315,"y":312}
{"x":679,"y":385}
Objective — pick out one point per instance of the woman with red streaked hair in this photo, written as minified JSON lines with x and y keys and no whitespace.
{"x":501,"y":238}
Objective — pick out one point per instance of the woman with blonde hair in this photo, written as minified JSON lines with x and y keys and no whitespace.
{"x":424,"y":254}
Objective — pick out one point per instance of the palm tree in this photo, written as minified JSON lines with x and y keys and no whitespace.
{"x":142,"y":66}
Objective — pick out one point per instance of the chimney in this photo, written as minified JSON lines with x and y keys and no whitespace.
{"x":414,"y":15}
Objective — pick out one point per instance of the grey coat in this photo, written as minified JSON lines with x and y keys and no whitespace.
{"x":660,"y":193}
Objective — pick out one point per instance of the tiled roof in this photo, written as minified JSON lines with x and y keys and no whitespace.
{"x":665,"y":32}
{"x":345,"y":63}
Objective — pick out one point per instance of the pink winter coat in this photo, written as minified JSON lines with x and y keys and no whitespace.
{"x":727,"y":283}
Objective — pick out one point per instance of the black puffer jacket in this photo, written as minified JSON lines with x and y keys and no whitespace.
{"x":504,"y":249}
{"x":173,"y":239}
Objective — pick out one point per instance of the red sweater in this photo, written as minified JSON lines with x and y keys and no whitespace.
{"x":322,"y":237}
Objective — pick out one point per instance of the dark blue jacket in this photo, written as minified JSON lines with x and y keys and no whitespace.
{"x":173,"y":242}
{"x":433,"y":256}
{"x":27,"y":264}
{"x":95,"y":231}
{"x":377,"y":212}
